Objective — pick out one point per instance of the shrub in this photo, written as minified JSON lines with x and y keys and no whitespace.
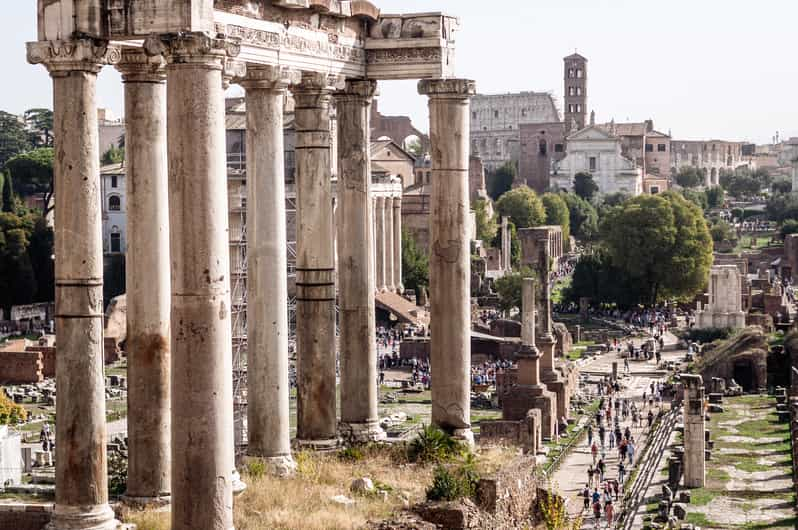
{"x":256,"y":468}
{"x":10,"y":412}
{"x":117,"y":473}
{"x":708,"y":334}
{"x":351,"y":454}
{"x":434,"y":445}
{"x":454,"y":482}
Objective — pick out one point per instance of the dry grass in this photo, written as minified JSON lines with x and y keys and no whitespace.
{"x":304,"y":501}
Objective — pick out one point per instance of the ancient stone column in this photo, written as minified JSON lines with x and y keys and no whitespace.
{"x":694,"y":426}
{"x":357,"y":343}
{"x":450,"y":259}
{"x":81,"y":482}
{"x":148,"y":279}
{"x":397,"y":245}
{"x":529,"y":369}
{"x":202,"y":385}
{"x":315,"y":267}
{"x":389,"y":268}
{"x":267,"y":270}
{"x":379,"y":233}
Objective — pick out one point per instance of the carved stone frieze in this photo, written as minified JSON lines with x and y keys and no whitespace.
{"x":447,"y":87}
{"x":64,"y":56}
{"x":403,"y":56}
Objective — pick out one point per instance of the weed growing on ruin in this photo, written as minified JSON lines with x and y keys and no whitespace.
{"x":451,"y":482}
{"x":434,"y":446}
{"x":554,"y":513}
{"x":351,"y":454}
{"x":256,"y":467}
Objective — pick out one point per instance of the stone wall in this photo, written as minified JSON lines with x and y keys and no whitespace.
{"x":48,"y":358}
{"x":565,"y":342}
{"x":25,"y":516}
{"x":541,"y":144}
{"x":23,"y":367}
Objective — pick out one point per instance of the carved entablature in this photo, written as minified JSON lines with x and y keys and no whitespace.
{"x":415,"y":46}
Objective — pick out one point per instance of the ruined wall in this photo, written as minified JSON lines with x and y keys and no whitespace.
{"x":23,"y":367}
{"x":48,"y":358}
{"x":25,"y":516}
{"x":541,"y":144}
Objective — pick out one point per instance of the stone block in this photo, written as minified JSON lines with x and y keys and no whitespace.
{"x":685,"y":497}
{"x":716,"y":398}
{"x":455,"y":515}
{"x":679,"y":511}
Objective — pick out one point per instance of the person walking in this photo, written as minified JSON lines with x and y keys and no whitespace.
{"x":621,"y":472}
{"x":586,"y":497}
{"x":590,"y":472}
{"x":596,"y":498}
{"x":589,"y":435}
{"x":602,"y":434}
{"x":601,"y":466}
{"x":630,"y":451}
{"x":609,"y":514}
{"x":594,"y":451}
{"x":650,"y":418}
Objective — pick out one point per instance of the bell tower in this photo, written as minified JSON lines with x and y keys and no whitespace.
{"x":575,"y":75}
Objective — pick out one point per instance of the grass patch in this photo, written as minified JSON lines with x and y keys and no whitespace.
{"x":703,"y":496}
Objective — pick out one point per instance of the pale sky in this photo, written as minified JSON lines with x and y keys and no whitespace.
{"x":702,"y":69}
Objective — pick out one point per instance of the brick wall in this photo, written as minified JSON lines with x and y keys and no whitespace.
{"x":21,"y":367}
{"x":48,"y":358}
{"x":25,"y":516}
{"x":541,"y":143}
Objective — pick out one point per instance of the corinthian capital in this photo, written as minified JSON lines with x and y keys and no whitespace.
{"x":81,"y":54}
{"x":358,"y":90}
{"x":193,"y":48}
{"x":447,"y":88}
{"x":270,"y":77}
{"x":138,"y":67}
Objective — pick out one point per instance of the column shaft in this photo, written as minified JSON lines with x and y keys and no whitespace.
{"x":315,"y":309}
{"x":357,"y":344}
{"x":202,"y":385}
{"x":147,"y":279}
{"x":397,"y":244}
{"x":390,"y":284}
{"x":267,"y":275}
{"x":450,"y":265}
{"x":81,"y":493}
{"x":379,"y":230}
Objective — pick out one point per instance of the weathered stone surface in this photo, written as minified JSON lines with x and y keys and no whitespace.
{"x":679,"y":512}
{"x":455,"y":515}
{"x":362,"y":485}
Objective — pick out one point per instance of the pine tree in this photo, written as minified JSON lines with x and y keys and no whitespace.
{"x":8,"y":194}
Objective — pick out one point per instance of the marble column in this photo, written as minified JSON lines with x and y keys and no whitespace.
{"x":379,"y":230}
{"x":450,"y":258}
{"x":148,"y":279}
{"x":202,"y":385}
{"x":694,"y":427}
{"x":81,"y":481}
{"x":390,"y":284}
{"x":267,"y":270}
{"x":357,"y":343}
{"x":397,"y":245}
{"x":315,"y":268}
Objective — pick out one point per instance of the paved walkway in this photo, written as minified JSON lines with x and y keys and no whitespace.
{"x":571,"y":477}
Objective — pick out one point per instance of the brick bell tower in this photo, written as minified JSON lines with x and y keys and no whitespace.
{"x":575,"y":111}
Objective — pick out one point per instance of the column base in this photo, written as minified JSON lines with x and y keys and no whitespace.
{"x":159,"y":503}
{"x":321,"y":446}
{"x":359,"y":433}
{"x":99,"y":517}
{"x":466,"y":436}
{"x":282,"y":466}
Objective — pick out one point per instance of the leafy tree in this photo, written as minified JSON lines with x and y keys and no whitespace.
{"x":486,"y":224}
{"x":501,"y":181}
{"x":721,"y":231}
{"x":661,"y":241}
{"x":33,"y":174}
{"x":699,"y":198}
{"x":10,"y":412}
{"x":114,"y":155}
{"x":742,"y":182}
{"x":689,"y":177}
{"x":583,"y":217}
{"x":509,"y":286}
{"x":40,"y":251}
{"x":413,"y":146}
{"x":781,"y":207}
{"x":614,"y":199}
{"x":715,"y":197}
{"x":585,"y":186}
{"x":9,"y":204}
{"x":790,"y":226}
{"x":557,"y":213}
{"x":17,"y":281}
{"x":40,"y":125}
{"x":781,"y":186}
{"x":597,"y":278}
{"x":13,"y":137}
{"x":523,"y":207}
{"x":415,"y":264}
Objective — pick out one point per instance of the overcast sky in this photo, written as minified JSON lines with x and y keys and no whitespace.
{"x":699,"y":68}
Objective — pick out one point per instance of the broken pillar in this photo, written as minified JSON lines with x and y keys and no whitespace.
{"x":694,"y":426}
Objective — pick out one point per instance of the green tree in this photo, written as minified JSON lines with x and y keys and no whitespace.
{"x":523,"y":207}
{"x":486,"y":224}
{"x":13,"y":137}
{"x":32,"y":173}
{"x":721,"y":231}
{"x":40,"y":251}
{"x":9,"y":203}
{"x":40,"y":125}
{"x":508,"y":287}
{"x":689,"y":177}
{"x":114,"y":155}
{"x":501,"y":181}
{"x":715,"y":197}
{"x":585,"y":186}
{"x":781,"y":207}
{"x":415,"y":264}
{"x":557,"y":213}
{"x":781,"y":186}
{"x":583,"y":217}
{"x":661,"y":241}
{"x":413,"y":147}
{"x":743,"y":183}
{"x":699,"y":198}
{"x":790,"y":226}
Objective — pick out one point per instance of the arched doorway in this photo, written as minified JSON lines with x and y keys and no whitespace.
{"x":743,"y":374}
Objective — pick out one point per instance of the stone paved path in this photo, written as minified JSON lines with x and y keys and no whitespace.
{"x":571,"y":476}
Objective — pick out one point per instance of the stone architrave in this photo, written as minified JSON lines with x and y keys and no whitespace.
{"x":81,"y":493}
{"x":202,"y":387}
{"x":148,"y":279}
{"x":694,"y":427}
{"x":357,"y":342}
{"x":267,"y":283}
{"x":528,"y":393}
{"x":397,"y":245}
{"x":450,"y":260}
{"x":315,"y":301}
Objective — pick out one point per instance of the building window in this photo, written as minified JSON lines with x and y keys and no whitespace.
{"x":114,"y":203}
{"x":558,"y":148}
{"x":542,"y":148}
{"x":116,"y":242}
{"x":495,"y":113}
{"x":579,"y":73}
{"x":570,"y":91}
{"x":578,"y":107}
{"x":661,"y":148}
{"x":649,"y":148}
{"x":654,"y":190}
{"x":571,"y":109}
{"x":114,"y":181}
{"x":523,"y":113}
{"x":579,"y":91}
{"x":570,"y":73}
{"x":429,"y":173}
{"x":474,"y":115}
{"x":592,"y":165}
